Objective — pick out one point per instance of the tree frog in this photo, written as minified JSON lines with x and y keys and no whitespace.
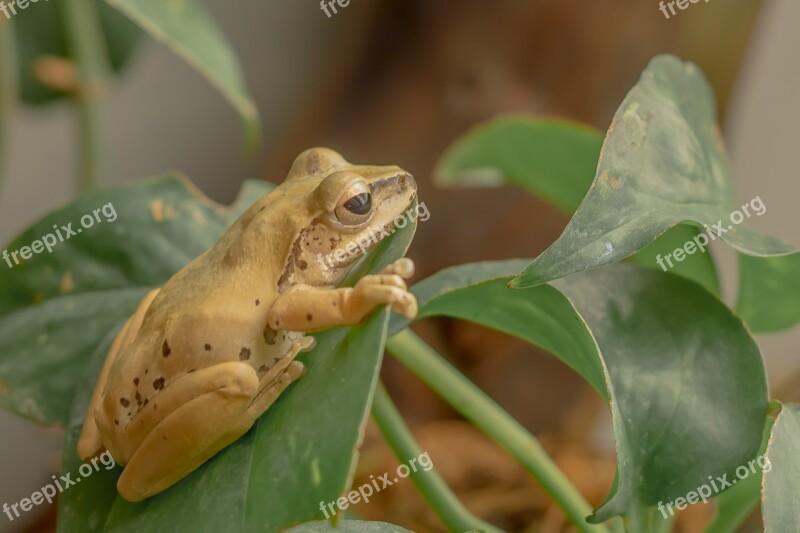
{"x":207,"y":354}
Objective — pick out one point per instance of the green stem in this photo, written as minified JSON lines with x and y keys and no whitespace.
{"x":88,"y":50}
{"x":487,"y":415}
{"x":8,"y":84}
{"x":430,"y":485}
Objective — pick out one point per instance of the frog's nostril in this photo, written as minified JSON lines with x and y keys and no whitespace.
{"x":407,"y":180}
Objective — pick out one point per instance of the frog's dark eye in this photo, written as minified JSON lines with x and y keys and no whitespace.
{"x":360,"y":204}
{"x":355,"y":205}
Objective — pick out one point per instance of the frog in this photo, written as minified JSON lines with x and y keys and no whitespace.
{"x":208,"y":353}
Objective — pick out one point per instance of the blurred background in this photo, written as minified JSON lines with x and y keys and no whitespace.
{"x":391,"y":82}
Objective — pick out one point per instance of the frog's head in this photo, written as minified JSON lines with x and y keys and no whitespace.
{"x":350,"y":208}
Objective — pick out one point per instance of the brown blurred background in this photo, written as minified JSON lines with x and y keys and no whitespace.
{"x":396,"y":82}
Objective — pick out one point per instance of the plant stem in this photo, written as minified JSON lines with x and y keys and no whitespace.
{"x":487,"y":415}
{"x":430,"y":485}
{"x":8,"y":85}
{"x":89,"y":52}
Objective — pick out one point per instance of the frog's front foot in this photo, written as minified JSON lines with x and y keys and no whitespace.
{"x":388,"y":288}
{"x":305,"y":308}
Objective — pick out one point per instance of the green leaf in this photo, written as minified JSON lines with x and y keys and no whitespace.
{"x":738,"y":502}
{"x":545,"y":318}
{"x":348,"y":526}
{"x":696,"y":267}
{"x":56,"y":307}
{"x":769,"y":292}
{"x":780,"y":506}
{"x":40,"y":31}
{"x":673,"y":359}
{"x":662,"y":163}
{"x":187,"y":28}
{"x":552,"y":159}
{"x":556,"y":161}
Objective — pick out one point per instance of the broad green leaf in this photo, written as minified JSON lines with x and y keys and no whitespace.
{"x":56,"y":307}
{"x":737,"y":503}
{"x":662,"y":163}
{"x":674,"y":359}
{"x":545,"y":318}
{"x":187,"y":28}
{"x":780,"y":505}
{"x":769,"y":292}
{"x":85,"y":505}
{"x":554,"y":160}
{"x":696,"y":267}
{"x":40,"y":32}
{"x":348,"y":526}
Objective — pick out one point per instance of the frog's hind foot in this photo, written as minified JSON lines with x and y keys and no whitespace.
{"x":270,"y":391}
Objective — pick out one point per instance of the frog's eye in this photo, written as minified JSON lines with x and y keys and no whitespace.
{"x":355,"y":207}
{"x":359,"y":204}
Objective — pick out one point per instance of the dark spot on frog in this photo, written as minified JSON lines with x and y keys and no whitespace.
{"x":135,"y":381}
{"x":208,"y":347}
{"x":302,"y":265}
{"x":145,"y":371}
{"x":138,"y":398}
{"x":146,"y":401}
{"x":166,"y":350}
{"x":158,"y":384}
{"x":192,"y":370}
{"x":116,"y":422}
{"x":262,"y":370}
{"x":269,"y":335}
{"x":335,"y":304}
{"x":125,"y":402}
{"x":309,"y":317}
{"x":258,"y":302}
{"x":262,"y":208}
{"x":165,"y":438}
{"x":244,"y":355}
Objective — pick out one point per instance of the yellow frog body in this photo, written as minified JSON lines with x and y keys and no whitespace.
{"x":206,"y":355}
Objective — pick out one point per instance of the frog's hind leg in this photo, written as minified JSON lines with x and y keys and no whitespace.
{"x":206,"y":418}
{"x":90,"y":443}
{"x":275,"y":379}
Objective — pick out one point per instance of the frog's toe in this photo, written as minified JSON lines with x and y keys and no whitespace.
{"x":407,"y":306}
{"x":402,"y":267}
